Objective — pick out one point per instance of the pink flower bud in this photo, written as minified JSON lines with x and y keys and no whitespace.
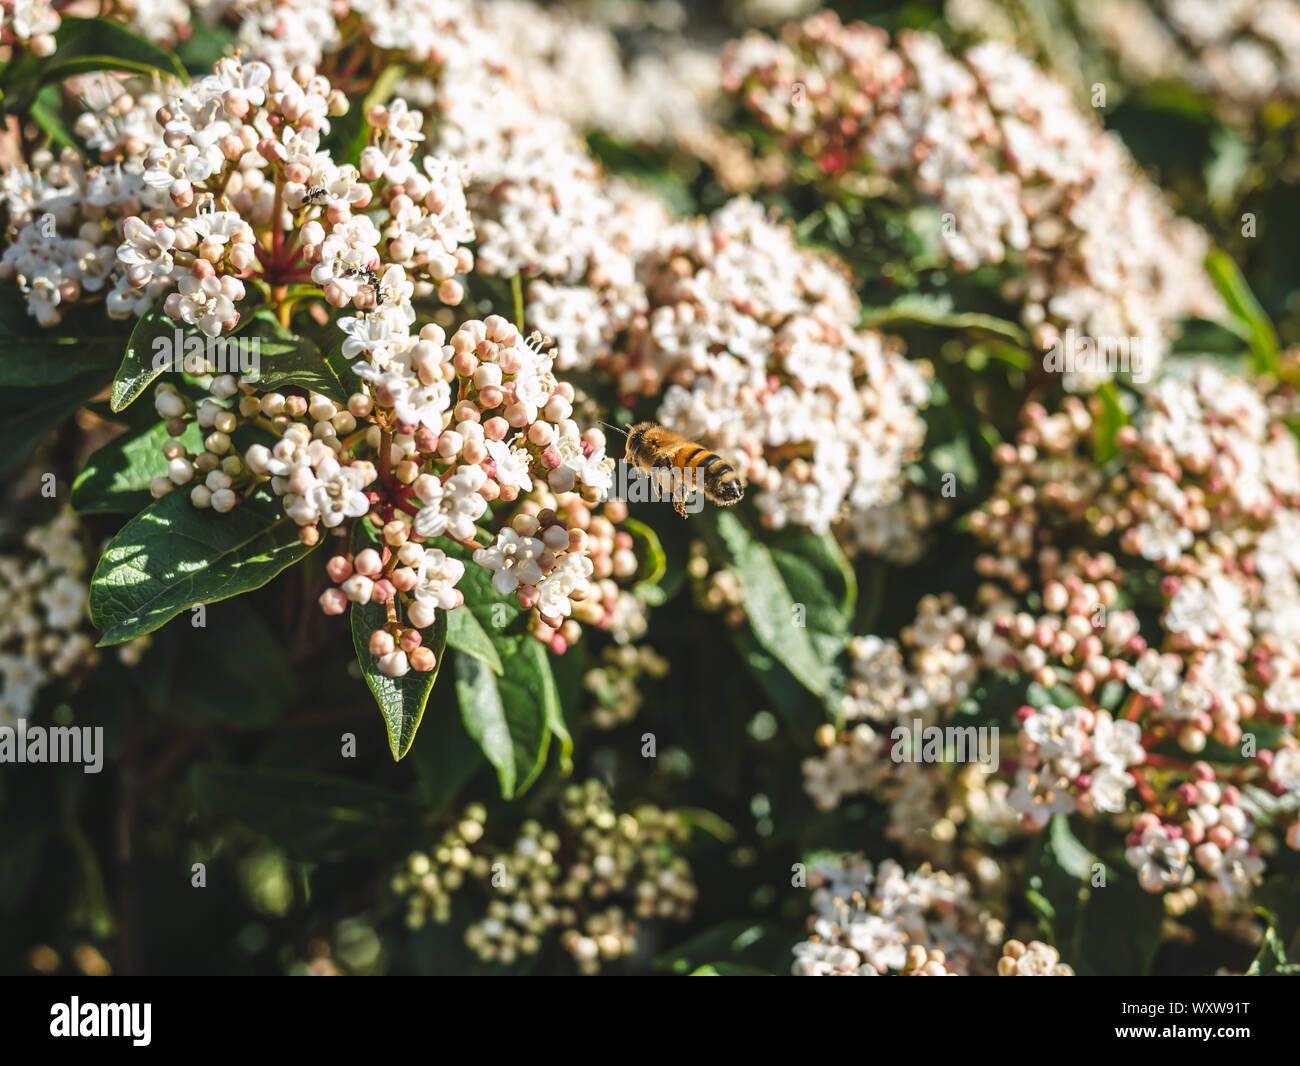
{"x":381,"y":643}
{"x":333,"y":601}
{"x":369,"y":563}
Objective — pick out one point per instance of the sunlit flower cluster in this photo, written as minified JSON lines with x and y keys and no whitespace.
{"x":1242,"y":52}
{"x":31,"y":22}
{"x":883,"y":920}
{"x":204,"y":190}
{"x":1018,"y":174}
{"x":1181,"y":734}
{"x":757,"y":344}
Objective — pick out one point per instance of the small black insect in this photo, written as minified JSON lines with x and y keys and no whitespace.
{"x":314,"y":194}
{"x":369,"y":276}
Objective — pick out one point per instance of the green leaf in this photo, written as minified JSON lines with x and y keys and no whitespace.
{"x":27,"y":416}
{"x":822,"y":551}
{"x":508,"y":717}
{"x":1255,"y":325}
{"x":792,"y":701}
{"x":1109,"y":929}
{"x":730,"y":944}
{"x":309,"y":815}
{"x":923,"y":310}
{"x":173,"y":555}
{"x":1113,"y":419}
{"x":446,"y":757}
{"x":286,"y":359}
{"x":539,"y":679}
{"x":772,"y":606}
{"x":257,"y":693}
{"x":652,"y":561}
{"x":138,"y":368}
{"x":116,"y":477}
{"x":349,"y":132}
{"x":85,"y":45}
{"x":401,"y":700}
{"x":1072,"y":856}
{"x":31,"y":356}
{"x":44,"y":111}
{"x":465,"y":634}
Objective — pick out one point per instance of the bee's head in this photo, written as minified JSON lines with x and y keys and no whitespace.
{"x":636,"y":438}
{"x":730,"y":492}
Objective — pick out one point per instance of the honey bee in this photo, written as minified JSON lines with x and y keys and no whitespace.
{"x":654,"y":448}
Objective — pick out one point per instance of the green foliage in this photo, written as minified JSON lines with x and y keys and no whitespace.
{"x":401,"y":700}
{"x":172,"y":556}
{"x":116,"y":477}
{"x":83,"y":46}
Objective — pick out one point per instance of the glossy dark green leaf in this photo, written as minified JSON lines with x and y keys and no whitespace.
{"x":286,"y":359}
{"x":173,"y":555}
{"x":465,"y":634}
{"x":309,"y":815}
{"x":401,"y":700}
{"x":507,"y":716}
{"x":1254,"y":323}
{"x":926,"y":310}
{"x":154,"y":335}
{"x":116,"y":477}
{"x":85,"y":45}
{"x":27,"y":416}
{"x":773,"y":609}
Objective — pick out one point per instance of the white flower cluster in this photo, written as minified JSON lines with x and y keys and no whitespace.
{"x":661,"y":93}
{"x":757,"y":342}
{"x":195,"y":177}
{"x":868,"y":921}
{"x":1020,"y":173}
{"x":1244,"y":52}
{"x":34,"y":22}
{"x":42,"y":614}
{"x":1073,"y":746}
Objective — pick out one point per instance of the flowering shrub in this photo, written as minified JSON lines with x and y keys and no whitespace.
{"x":316,"y":309}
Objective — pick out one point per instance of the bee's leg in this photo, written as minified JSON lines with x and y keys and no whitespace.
{"x":679,"y":506}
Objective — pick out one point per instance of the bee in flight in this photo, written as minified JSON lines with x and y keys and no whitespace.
{"x":654,"y":449}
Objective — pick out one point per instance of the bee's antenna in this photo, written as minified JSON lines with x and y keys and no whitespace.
{"x":616,"y":429}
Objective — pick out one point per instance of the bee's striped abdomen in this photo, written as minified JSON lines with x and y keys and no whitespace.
{"x":720,"y":482}
{"x":653,"y":447}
